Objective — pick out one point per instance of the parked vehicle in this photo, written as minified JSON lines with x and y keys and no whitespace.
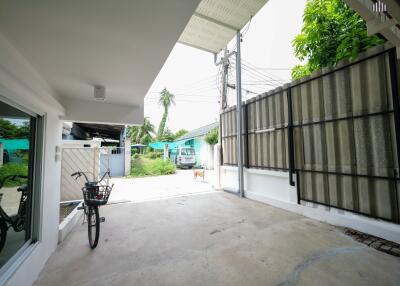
{"x":95,"y":194}
{"x":183,"y":157}
{"x":17,"y":221}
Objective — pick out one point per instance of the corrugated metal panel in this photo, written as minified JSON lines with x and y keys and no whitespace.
{"x":215,"y":22}
{"x":343,"y":132}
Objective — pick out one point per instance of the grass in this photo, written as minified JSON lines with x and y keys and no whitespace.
{"x":13,"y":169}
{"x":142,"y":167}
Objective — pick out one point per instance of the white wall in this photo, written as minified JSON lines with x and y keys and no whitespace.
{"x":29,"y":270}
{"x":272,"y":187}
{"x":21,"y":85}
{"x":206,"y":154}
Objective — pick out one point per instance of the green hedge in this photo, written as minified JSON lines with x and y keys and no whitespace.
{"x":142,"y":167}
{"x":13,"y":169}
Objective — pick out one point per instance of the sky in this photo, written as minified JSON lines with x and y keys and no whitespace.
{"x":191,"y":75}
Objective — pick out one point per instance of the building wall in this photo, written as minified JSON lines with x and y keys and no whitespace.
{"x":21,"y":85}
{"x":29,"y":270}
{"x":271,"y":187}
{"x":204,"y":153}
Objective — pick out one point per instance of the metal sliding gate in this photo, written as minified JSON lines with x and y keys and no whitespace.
{"x":336,"y":131}
{"x":95,"y":161}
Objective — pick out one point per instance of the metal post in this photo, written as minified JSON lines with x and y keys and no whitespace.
{"x":239,"y":116}
{"x":396,"y":111}
{"x":290,"y":136}
{"x":246,"y":134}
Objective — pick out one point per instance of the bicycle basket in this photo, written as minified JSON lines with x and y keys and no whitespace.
{"x":96,"y":195}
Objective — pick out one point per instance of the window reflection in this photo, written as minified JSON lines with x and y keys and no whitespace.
{"x":15,"y":145}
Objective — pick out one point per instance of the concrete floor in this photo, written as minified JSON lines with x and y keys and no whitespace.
{"x":151,"y":188}
{"x":215,"y":239}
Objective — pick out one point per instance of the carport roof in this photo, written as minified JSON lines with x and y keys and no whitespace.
{"x":102,"y":130}
{"x":215,"y":22}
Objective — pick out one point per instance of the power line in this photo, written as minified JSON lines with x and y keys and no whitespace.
{"x":186,"y":94}
{"x":249,"y":67}
{"x":265,"y":73}
{"x":261,"y":75}
{"x":187,"y":100}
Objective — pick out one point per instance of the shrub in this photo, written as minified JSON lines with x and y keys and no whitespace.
{"x":212,"y":136}
{"x":153,"y":155}
{"x":142,"y":167}
{"x":135,"y":156}
{"x":13,"y":169}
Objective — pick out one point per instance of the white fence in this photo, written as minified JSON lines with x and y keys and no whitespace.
{"x":94,"y":161}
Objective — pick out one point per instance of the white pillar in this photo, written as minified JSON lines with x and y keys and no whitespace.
{"x":166,"y":153}
{"x":127,"y":150}
{"x":217,"y":166}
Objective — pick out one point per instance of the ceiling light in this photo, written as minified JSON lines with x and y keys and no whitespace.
{"x":99,"y":93}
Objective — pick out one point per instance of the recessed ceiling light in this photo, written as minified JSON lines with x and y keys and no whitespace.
{"x":99,"y":93}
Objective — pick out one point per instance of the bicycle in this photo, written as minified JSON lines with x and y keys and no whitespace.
{"x":17,"y":221}
{"x":94,"y":195}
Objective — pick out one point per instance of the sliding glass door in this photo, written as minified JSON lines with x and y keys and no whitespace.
{"x":17,"y":149}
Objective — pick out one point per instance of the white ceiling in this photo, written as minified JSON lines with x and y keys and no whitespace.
{"x":75,"y":44}
{"x":216,"y":22}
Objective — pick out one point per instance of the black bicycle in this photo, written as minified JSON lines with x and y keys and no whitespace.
{"x":17,"y":221}
{"x":95,"y":194}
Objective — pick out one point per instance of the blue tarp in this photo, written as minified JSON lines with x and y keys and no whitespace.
{"x":15,"y":144}
{"x":171,"y":145}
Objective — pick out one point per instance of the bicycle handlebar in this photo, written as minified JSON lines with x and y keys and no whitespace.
{"x":79,"y":173}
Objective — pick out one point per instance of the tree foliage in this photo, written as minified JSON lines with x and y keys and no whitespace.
{"x":212,"y":136}
{"x":141,"y":134}
{"x":166,"y":100}
{"x":331,"y":32}
{"x":167,"y":136}
{"x":180,"y":133}
{"x":9,"y":130}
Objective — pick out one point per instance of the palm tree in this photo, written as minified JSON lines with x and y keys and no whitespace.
{"x":142,"y":134}
{"x":166,"y":100}
{"x":145,"y":131}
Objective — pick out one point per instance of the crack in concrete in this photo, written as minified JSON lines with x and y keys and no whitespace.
{"x":214,"y":231}
{"x":295,"y":277}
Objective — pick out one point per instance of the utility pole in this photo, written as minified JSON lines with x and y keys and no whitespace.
{"x":239,"y":112}
{"x":239,"y":115}
{"x":224,"y":87}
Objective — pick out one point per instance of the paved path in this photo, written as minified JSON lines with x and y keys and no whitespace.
{"x":150,"y":188}
{"x":214,"y":239}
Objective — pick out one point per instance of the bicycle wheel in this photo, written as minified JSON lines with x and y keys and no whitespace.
{"x":3,"y":233}
{"x":93,"y":226}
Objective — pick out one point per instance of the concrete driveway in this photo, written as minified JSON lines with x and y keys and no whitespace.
{"x":214,"y":239}
{"x":151,"y":188}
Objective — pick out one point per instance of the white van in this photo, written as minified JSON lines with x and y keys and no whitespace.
{"x":183,"y":157}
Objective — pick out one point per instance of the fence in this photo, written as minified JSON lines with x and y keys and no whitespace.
{"x":94,"y":161}
{"x":337,"y":131}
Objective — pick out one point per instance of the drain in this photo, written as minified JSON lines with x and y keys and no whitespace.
{"x":378,"y":243}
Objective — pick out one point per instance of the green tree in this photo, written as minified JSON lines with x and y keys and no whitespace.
{"x":180,"y":133}
{"x":142,"y":134}
{"x":168,"y":135}
{"x":166,"y":100}
{"x":24,"y":130}
{"x":331,"y":32}
{"x":212,"y":136}
{"x":11,"y":131}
